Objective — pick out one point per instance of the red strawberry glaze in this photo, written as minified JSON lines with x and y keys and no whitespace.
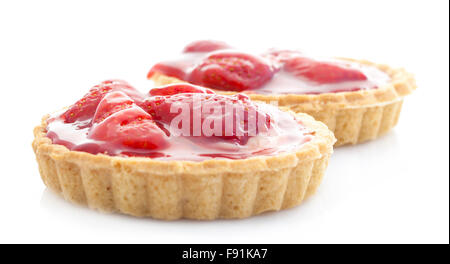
{"x":274,"y":72}
{"x":205,"y":46}
{"x":134,"y":124}
{"x":232,"y":71}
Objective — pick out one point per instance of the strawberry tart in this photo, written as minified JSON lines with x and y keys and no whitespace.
{"x":180,"y":151}
{"x":358,"y":100}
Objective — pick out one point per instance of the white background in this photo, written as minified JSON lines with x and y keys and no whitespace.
{"x":395,"y":189}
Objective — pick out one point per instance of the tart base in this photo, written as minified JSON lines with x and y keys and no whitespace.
{"x":182,"y":189}
{"x":357,"y":124}
{"x":354,"y":117}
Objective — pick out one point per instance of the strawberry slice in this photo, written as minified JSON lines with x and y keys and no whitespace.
{"x":172,"y":89}
{"x":86,"y":106}
{"x":179,"y":68}
{"x":232,"y":71}
{"x":111,"y":103}
{"x":233,"y":113}
{"x":322,"y":72}
{"x":131,"y":127}
{"x":205,"y":46}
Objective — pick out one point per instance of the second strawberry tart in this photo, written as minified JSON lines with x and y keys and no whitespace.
{"x":358,"y":100}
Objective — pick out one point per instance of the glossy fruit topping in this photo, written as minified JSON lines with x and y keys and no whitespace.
{"x":120,"y":121}
{"x":177,"y":89}
{"x":180,"y":121}
{"x":220,"y":67}
{"x":233,"y":118}
{"x":232,"y":71}
{"x":111,"y":103}
{"x":131,"y":127}
{"x":205,"y":46}
{"x":322,"y":72}
{"x":86,"y":106}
